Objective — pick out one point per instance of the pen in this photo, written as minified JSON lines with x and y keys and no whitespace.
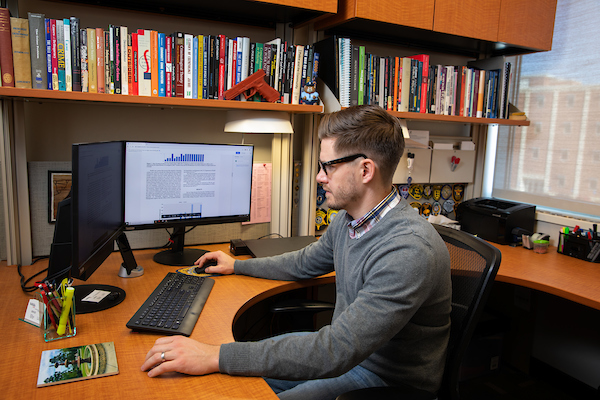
{"x":48,"y":308}
{"x":66,"y":309}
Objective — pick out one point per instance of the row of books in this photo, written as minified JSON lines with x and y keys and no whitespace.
{"x":56,"y":54}
{"x":413,"y":84}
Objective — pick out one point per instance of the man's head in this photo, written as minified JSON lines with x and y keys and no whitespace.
{"x":360,"y":149}
{"x":367,"y":130}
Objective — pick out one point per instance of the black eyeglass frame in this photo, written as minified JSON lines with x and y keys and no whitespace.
{"x":323,"y":165}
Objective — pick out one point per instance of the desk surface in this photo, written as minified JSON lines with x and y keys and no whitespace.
{"x":553,"y":273}
{"x":23,"y":343}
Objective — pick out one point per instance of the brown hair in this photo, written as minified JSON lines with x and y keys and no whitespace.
{"x":366,"y":129}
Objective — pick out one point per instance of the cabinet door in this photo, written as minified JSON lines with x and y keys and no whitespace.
{"x":421,"y":167}
{"x":527,"y":23}
{"x":470,"y":18}
{"x":417,"y":14}
{"x":441,"y":166}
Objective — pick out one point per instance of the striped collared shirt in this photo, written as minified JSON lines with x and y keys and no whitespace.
{"x":358,"y":227}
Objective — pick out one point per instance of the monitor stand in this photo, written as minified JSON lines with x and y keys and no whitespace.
{"x":177,"y":255}
{"x":115,"y":295}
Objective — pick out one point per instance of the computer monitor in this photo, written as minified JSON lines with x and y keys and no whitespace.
{"x":179,"y":185}
{"x":89,"y":221}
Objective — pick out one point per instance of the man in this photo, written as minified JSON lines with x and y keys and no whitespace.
{"x":392,"y":315}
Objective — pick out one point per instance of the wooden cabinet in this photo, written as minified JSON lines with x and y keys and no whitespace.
{"x":416,"y":14}
{"x":470,"y":27}
{"x":471,"y":18}
{"x":527,"y":23}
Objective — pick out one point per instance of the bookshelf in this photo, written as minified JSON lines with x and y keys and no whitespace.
{"x":38,"y":94}
{"x":452,"y":32}
{"x":39,"y":125}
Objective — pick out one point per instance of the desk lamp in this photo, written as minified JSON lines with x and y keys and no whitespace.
{"x":249,"y":121}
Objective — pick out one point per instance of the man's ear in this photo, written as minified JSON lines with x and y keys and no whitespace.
{"x":368,"y":168}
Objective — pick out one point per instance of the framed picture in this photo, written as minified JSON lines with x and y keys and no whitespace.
{"x":59,"y":186}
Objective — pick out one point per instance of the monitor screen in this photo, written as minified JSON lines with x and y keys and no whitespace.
{"x":174,"y":185}
{"x":97,"y":196}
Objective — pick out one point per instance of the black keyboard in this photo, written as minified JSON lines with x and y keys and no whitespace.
{"x":174,"y":306}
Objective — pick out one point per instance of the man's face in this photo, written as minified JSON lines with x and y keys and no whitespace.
{"x":340,"y":181}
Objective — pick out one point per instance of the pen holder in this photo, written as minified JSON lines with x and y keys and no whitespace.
{"x":49,"y":323}
{"x":579,"y":247}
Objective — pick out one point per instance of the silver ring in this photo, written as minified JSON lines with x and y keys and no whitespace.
{"x":162,"y":356}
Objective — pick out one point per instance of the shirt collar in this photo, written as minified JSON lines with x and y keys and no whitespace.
{"x":359,"y":227}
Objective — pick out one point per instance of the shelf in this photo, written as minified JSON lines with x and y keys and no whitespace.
{"x":457,"y":119}
{"x":37,"y":94}
{"x":247,"y":12}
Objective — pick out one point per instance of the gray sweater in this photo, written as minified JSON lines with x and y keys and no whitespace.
{"x":392,"y":312}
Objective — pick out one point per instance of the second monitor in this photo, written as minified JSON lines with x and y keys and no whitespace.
{"x":177,"y":185}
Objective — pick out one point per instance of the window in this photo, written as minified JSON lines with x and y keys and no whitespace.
{"x":549,"y":163}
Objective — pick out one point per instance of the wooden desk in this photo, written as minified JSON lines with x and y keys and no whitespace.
{"x":552,"y":272}
{"x":23,"y":343}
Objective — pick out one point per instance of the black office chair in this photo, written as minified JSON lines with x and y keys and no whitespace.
{"x":474,"y":265}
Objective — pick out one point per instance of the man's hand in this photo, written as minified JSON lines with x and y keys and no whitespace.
{"x":181,"y":354}
{"x":224,"y":263}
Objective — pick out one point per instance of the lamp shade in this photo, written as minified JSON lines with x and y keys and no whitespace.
{"x":248,"y":121}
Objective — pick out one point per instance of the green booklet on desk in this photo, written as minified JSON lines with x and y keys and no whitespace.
{"x":77,"y":363}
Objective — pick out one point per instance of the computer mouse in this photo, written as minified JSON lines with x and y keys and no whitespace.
{"x":200,"y":269}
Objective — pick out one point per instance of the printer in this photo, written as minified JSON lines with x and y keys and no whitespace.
{"x":499,"y":221}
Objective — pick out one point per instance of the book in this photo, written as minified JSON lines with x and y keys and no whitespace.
{"x":72,"y":364}
{"x":162,"y":86}
{"x":205,"y":67}
{"x":500,"y":84}
{"x":20,"y":47}
{"x":100,"y":62}
{"x":168,"y":65}
{"x":37,"y":50}
{"x":297,"y":79}
{"x":195,"y":67}
{"x":361,"y":75}
{"x":200,"y":66}
{"x":48,"y":27}
{"x":117,"y":57}
{"x":154,"y":63}
{"x":92,"y":61}
{"x":424,"y":58}
{"x":6,"y":53}
{"x":135,"y":59}
{"x":109,"y":84}
{"x":178,"y":63}
{"x":83,"y":52}
{"x":258,"y":64}
{"x":144,"y":63}
{"x":188,"y":70}
{"x":68,"y":65}
{"x":54,"y":54}
{"x":125,"y":60}
{"x":75,"y":54}
{"x":222,"y":74}
{"x":328,"y":48}
{"x":345,"y":70}
{"x":60,"y":55}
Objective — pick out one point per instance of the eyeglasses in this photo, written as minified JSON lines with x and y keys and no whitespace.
{"x":324,"y":165}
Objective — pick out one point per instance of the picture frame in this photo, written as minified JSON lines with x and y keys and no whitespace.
{"x":59,"y":186}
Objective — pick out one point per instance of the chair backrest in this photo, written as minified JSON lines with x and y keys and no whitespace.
{"x":474,"y":264}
